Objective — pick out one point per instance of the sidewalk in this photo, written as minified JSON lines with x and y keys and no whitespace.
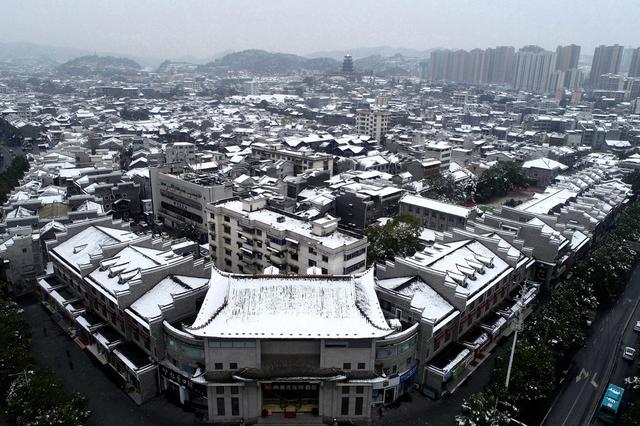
{"x":57,"y":352}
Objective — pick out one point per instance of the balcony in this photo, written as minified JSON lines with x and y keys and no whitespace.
{"x":277,"y":259}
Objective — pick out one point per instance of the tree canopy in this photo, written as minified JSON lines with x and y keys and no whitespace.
{"x":400,"y":236}
{"x":9,"y":179}
{"x":499,"y":180}
{"x":32,"y":397}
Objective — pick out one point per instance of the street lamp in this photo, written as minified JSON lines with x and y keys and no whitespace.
{"x":518,"y":325}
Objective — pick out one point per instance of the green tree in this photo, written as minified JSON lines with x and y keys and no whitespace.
{"x":35,"y":398}
{"x":499,"y":180}
{"x":188,"y":230}
{"x":634,"y":180}
{"x":485,"y":409}
{"x":14,"y":349}
{"x":532,"y":375}
{"x":10,"y":178}
{"x":398,"y":237}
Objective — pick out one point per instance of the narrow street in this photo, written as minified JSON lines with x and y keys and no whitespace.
{"x":54,"y":350}
{"x":424,"y":411}
{"x":599,"y":362}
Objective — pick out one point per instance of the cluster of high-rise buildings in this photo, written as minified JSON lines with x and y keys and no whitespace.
{"x":530,"y":68}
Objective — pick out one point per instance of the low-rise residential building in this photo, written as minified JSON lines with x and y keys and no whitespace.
{"x":303,"y":160}
{"x":373,"y":122}
{"x":180,"y":197}
{"x":246,"y":236}
{"x":433,"y":214}
{"x":542,"y":171}
{"x":180,"y":152}
{"x":440,"y":151}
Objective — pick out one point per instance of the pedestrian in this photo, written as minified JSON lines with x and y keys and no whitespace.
{"x":44,"y":331}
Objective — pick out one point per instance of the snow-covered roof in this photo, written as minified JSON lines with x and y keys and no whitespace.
{"x":423,"y":298}
{"x":438,"y":206}
{"x":284,"y":307}
{"x":293,"y":226}
{"x":115,"y":273}
{"x":468,"y":264}
{"x":162,"y":294}
{"x":78,"y":249}
{"x":544,"y":163}
{"x":547,"y":201}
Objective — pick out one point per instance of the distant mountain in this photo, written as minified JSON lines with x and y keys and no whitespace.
{"x":263,"y":62}
{"x":98,"y":65}
{"x":396,"y":65}
{"x":13,"y":51}
{"x":362,"y":52}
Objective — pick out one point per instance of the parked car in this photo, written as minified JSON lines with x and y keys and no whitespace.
{"x":637,"y":326}
{"x":629,"y":353}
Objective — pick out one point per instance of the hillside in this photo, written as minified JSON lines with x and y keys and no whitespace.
{"x":263,"y":62}
{"x":94,"y":65}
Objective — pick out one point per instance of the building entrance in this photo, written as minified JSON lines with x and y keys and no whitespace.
{"x":290,"y":398}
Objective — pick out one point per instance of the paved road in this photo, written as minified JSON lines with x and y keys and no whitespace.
{"x":599,"y":362}
{"x":109,"y":405}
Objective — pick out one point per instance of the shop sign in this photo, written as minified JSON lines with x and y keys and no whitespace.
{"x":408,"y":374}
{"x":195,"y":389}
{"x":290,"y":386}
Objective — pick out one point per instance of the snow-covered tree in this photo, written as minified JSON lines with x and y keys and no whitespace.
{"x":35,"y":398}
{"x":484,"y":409}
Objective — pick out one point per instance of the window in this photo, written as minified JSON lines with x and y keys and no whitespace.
{"x":344,"y":408}
{"x":359,"y":403}
{"x":312,"y":250}
{"x":218,"y":366}
{"x":219,"y":390}
{"x":235,"y":390}
{"x":24,"y":250}
{"x":227,"y":240}
{"x":258,"y":232}
{"x":227,"y":262}
{"x":312,"y":262}
{"x":235,"y":406}
{"x":233,"y":366}
{"x":346,"y":366}
{"x":226,"y":219}
{"x":345,"y":390}
{"x":361,"y":366}
{"x":354,"y":254}
{"x":220,"y":406}
{"x":354,"y":267}
{"x":325,"y":258}
{"x":359,"y":389}
{"x":226,"y":229}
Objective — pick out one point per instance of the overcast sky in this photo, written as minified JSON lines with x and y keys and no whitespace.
{"x":169,"y":29}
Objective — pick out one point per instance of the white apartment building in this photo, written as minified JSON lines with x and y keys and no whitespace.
{"x":180,"y":152}
{"x":373,"y":122}
{"x":181,"y":197}
{"x":303,"y":160}
{"x":436,"y":215}
{"x":247,"y":237}
{"x":440,"y":151}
